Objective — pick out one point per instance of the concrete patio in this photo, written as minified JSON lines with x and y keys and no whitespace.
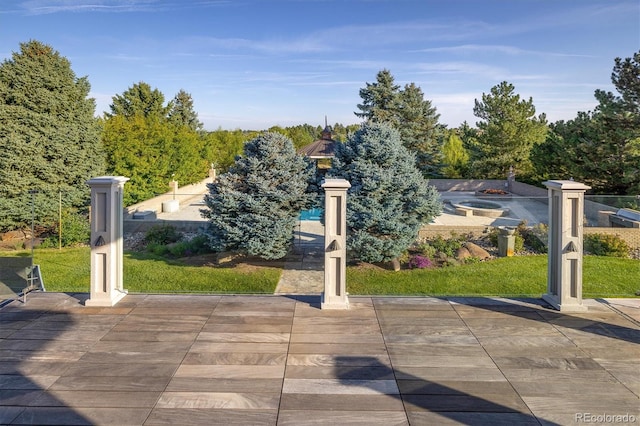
{"x":280,"y":360}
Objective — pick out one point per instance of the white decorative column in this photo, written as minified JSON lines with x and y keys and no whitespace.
{"x":335,"y":244}
{"x":564,"y":277}
{"x":106,"y":240}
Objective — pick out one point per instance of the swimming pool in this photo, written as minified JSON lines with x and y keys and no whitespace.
{"x":311,"y":214}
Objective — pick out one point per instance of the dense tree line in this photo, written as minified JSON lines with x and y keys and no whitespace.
{"x":600,"y":147}
{"x":152,"y":143}
{"x":51,"y":141}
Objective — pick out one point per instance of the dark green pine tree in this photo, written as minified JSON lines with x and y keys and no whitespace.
{"x":407,"y":111}
{"x":139,"y":99}
{"x":254,"y":207}
{"x":602,"y":147}
{"x":181,"y":111}
{"x":380,"y":100}
{"x":389,"y":199}
{"x":507,"y":133}
{"x":419,"y":129}
{"x":49,"y":137}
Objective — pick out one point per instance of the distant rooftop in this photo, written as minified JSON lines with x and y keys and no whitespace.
{"x":322,"y":148}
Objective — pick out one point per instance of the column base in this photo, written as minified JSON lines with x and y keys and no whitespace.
{"x":563,"y":307}
{"x":334,"y":304}
{"x":106,"y":301}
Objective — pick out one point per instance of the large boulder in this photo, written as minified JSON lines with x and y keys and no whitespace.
{"x":472,"y":250}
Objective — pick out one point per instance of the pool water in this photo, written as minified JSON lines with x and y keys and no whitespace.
{"x":480,"y":204}
{"x":311,"y":214}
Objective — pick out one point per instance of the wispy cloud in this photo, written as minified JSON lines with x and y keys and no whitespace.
{"x":400,"y":32}
{"x":493,"y":48}
{"x":452,"y":67}
{"x":44,"y":7}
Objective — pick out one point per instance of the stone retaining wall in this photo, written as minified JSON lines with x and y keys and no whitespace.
{"x":630,"y":235}
{"x":467,"y":185}
{"x":183,"y":193}
{"x":429,"y":232}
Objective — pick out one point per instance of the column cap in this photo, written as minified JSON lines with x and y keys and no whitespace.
{"x":107,"y":180}
{"x":565,"y":184}
{"x":336,"y":183}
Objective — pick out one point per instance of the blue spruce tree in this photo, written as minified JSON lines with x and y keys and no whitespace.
{"x":389,"y":199}
{"x":253,"y":208}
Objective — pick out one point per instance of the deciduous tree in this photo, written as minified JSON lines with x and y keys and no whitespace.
{"x":151,"y":153}
{"x":455,"y":157}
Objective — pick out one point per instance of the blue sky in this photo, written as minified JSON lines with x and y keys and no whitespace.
{"x":252,"y":64}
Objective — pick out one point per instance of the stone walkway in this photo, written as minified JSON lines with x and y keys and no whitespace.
{"x":280,"y":360}
{"x":304,"y":272}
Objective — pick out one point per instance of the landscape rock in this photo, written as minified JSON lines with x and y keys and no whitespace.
{"x":462,"y":253}
{"x":477,"y":251}
{"x":13,"y":235}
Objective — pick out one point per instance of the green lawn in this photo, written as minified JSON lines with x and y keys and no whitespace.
{"x":508,"y":276}
{"x":68,"y":270}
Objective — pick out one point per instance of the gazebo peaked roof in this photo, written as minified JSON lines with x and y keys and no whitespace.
{"x":322,"y":148}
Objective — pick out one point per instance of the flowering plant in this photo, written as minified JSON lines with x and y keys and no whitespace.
{"x":494,"y":191}
{"x":420,"y":262}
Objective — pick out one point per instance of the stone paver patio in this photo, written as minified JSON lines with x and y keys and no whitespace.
{"x":280,"y":360}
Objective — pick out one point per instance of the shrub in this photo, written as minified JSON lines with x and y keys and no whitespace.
{"x":158,"y":249}
{"x":536,"y":238}
{"x":448,"y":247}
{"x":170,"y":243}
{"x":606,"y":245}
{"x":75,"y":231}
{"x":162,"y":235}
{"x":198,"y":245}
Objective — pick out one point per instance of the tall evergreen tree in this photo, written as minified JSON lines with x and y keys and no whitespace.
{"x":410,"y":113}
{"x":253,"y":208}
{"x":49,"y":137}
{"x":389,"y":199}
{"x":181,"y":111}
{"x":508,"y":130}
{"x":139,"y":99}
{"x":417,"y":121}
{"x":379,"y":100}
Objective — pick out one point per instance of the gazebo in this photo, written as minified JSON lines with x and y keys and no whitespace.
{"x":322,"y":150}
